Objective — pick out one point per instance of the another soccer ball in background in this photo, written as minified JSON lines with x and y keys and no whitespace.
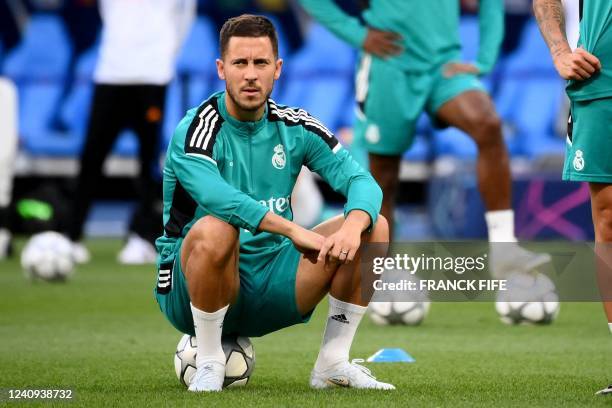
{"x":47,"y":256}
{"x":239,"y":355}
{"x":407,"y":313}
{"x":528,"y":299}
{"x":399,"y":307}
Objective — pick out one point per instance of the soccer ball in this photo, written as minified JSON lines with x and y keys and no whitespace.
{"x":239,"y":364}
{"x":528,"y":299}
{"x":407,"y":308}
{"x":407,"y":313}
{"x":47,"y":256}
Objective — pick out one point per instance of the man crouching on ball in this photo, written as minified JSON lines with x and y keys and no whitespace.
{"x":231,"y":260}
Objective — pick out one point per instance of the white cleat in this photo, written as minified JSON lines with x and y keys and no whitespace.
{"x":137,"y":251}
{"x":208,"y":378}
{"x":509,"y":258}
{"x":349,"y":375}
{"x":605,"y":391}
{"x":80,"y":253}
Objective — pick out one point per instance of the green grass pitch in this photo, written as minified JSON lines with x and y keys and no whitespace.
{"x":102,"y":334}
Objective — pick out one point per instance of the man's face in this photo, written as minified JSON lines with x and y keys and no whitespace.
{"x":249,"y":70}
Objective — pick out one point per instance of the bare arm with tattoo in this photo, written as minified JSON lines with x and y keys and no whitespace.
{"x":578,"y":64}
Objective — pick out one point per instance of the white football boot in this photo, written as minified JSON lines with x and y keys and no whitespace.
{"x":605,"y":391}
{"x":137,"y":251}
{"x":80,"y":253}
{"x":349,"y":375}
{"x":208,"y":377}
{"x":509,"y":258}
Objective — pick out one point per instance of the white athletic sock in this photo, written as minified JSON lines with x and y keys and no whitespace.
{"x":343,"y":319}
{"x":610,"y":327}
{"x":501,"y":225}
{"x":208,"y":328}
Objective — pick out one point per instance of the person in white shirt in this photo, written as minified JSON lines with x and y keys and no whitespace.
{"x":140,"y":43}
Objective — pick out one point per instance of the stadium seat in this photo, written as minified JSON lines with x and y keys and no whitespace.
{"x":319,"y":77}
{"x":75,"y":111}
{"x":420,"y":151}
{"x":196,"y":63}
{"x":173,"y":113}
{"x":530,"y":96}
{"x":196,"y":76}
{"x":469,"y":34}
{"x":38,"y":66}
{"x":43,"y":53}
{"x":454,"y":142}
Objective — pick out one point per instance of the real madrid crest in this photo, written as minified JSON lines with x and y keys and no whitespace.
{"x":278,"y":158}
{"x":578,"y":160}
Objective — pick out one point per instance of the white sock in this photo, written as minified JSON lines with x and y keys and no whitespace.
{"x":342,"y":321}
{"x":501,"y":225}
{"x":208,"y":328}
{"x":610,"y":326}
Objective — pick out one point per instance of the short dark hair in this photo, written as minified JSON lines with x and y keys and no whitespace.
{"x":247,"y":25}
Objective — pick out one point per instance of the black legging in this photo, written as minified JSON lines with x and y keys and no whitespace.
{"x":114,"y":108}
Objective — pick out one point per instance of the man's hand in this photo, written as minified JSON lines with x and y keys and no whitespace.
{"x":342,"y":246}
{"x":455,"y":68}
{"x":307,"y":242}
{"x":382,"y":44}
{"x":578,"y":65}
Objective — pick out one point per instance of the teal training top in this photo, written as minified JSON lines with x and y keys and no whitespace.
{"x":238,"y":171}
{"x":596,"y":38}
{"x":429,"y":29}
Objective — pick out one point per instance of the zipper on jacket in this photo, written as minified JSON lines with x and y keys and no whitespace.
{"x":250,"y":166}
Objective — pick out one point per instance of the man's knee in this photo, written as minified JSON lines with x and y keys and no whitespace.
{"x":486,"y":129}
{"x":213,"y":240}
{"x":603,"y":224}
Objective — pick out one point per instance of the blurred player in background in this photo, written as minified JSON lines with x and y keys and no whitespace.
{"x":588,"y":70}
{"x":140,"y":43}
{"x":232,"y":261}
{"x":410,"y":63}
{"x":82,"y":22}
{"x":8,"y":149}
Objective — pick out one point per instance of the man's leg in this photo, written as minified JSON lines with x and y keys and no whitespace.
{"x":210,"y":267}
{"x":347,"y":306}
{"x":390,"y":101}
{"x":601,"y":205}
{"x":105,"y":122}
{"x":146,"y":116}
{"x":473,"y":112}
{"x":385,"y":170}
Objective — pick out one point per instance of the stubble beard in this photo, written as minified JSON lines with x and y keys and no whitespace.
{"x":247,"y":108}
